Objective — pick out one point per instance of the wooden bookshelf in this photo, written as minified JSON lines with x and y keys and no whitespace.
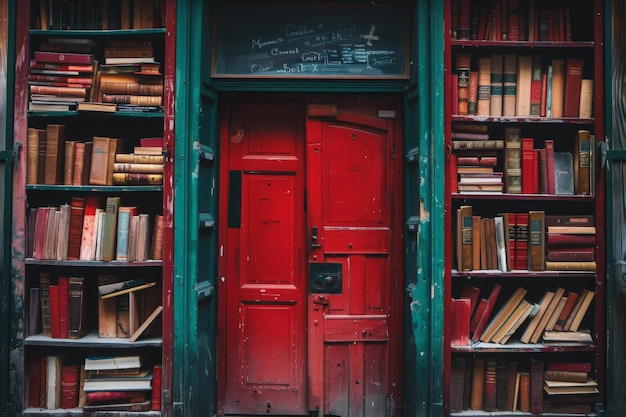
{"x":126,"y":27}
{"x":568,"y":33}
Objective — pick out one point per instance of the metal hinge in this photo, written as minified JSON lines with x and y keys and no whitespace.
{"x":11,"y":156}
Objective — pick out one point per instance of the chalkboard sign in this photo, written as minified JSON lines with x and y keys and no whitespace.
{"x":311,"y":41}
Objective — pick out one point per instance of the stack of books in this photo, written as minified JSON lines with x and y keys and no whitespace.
{"x":130,"y":77}
{"x":144,"y":166}
{"x":60,"y":77}
{"x":475,"y":159}
{"x":570,"y":388}
{"x":117,"y":383}
{"x":570,"y":244}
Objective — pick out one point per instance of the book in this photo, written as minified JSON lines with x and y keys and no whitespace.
{"x":536,"y":386}
{"x":569,"y":366}
{"x":573,"y":81}
{"x":457,"y":384}
{"x":77,"y":327}
{"x":571,"y":388}
{"x":485,"y":317}
{"x":501,"y":243}
{"x":571,"y":266}
{"x":570,"y":376}
{"x":53,"y":382}
{"x":484,"y":86}
{"x":54,"y":160}
{"x":524,"y":392}
{"x":118,"y":383}
{"x":35,"y":369}
{"x":463,"y":62}
{"x":557,"y":87}
{"x":87,"y":247}
{"x":34,"y":312}
{"x":513,"y":322}
{"x":99,"y":160}
{"x":127,"y":178}
{"x":563,"y":173}
{"x":143,"y":168}
{"x":541,"y":326}
{"x":44,"y":294}
{"x":465,"y":235}
{"x":123,"y":226}
{"x":559,"y":337}
{"x":582,"y":310}
{"x":461,"y":324}
{"x":572,"y":297}
{"x":496,"y":84}
{"x":523,"y":86}
{"x":489,"y":388}
{"x":69,"y":386}
{"x":509,"y":88}
{"x":582,"y":163}
{"x":156,"y":246}
{"x":536,"y":240}
{"x":107,"y":310}
{"x":97,"y":107}
{"x":477,"y":384}
{"x":149,"y":320}
{"x":109,"y":228}
{"x":541,"y":310}
{"x":513,"y":160}
{"x":528,"y":156}
{"x":62,"y":57}
{"x":98,"y":363}
{"x":114,"y":397}
{"x":551,"y":173}
{"x":535,"y":86}
{"x":585,"y":110}
{"x":556,"y":313}
{"x":503,"y":314}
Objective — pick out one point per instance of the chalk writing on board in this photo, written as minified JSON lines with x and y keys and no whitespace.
{"x":311,"y":42}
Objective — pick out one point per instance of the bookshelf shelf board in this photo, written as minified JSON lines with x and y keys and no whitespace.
{"x":522,"y":274}
{"x":96,"y":33}
{"x":100,"y":264}
{"x":49,"y":114}
{"x":514,"y":119}
{"x":92,"y":340}
{"x":523,"y":197}
{"x":481,"y":413}
{"x":520,"y":44}
{"x":516,"y":347}
{"x":94,"y":188}
{"x":79,"y":412}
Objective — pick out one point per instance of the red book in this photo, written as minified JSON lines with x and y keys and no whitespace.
{"x":567,"y":220}
{"x":521,"y":241}
{"x":571,"y":254}
{"x":544,"y":95}
{"x":454,"y":96}
{"x":536,"y":386}
{"x":97,"y":397}
{"x":535,"y":171}
{"x":528,"y":156}
{"x":557,"y":239}
{"x":471,"y":292}
{"x":549,"y":144}
{"x":463,"y":20}
{"x":489,"y":393}
{"x":480,"y":308}
{"x":569,"y":306}
{"x":55,"y":312}
{"x":69,"y":386}
{"x":156,"y":388}
{"x":461,"y":323}
{"x":569,"y":366}
{"x":40,"y":232}
{"x":152,"y":141}
{"x":454,"y":178}
{"x":59,"y":69}
{"x":77,"y":210}
{"x":64,"y":290}
{"x":573,"y":80}
{"x":543,"y":170}
{"x":34,"y":380}
{"x":63,"y":57}
{"x":535,"y":86}
{"x":484,"y":319}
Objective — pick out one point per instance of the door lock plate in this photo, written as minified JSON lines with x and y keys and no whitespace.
{"x":325,"y":278}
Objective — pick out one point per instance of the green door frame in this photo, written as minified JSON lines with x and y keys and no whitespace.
{"x":424,"y":156}
{"x":6,"y":162}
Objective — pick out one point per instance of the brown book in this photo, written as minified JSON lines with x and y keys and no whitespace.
{"x":63,"y":228}
{"x":558,"y":87}
{"x":524,"y":392}
{"x":135,"y":100}
{"x":541,"y":326}
{"x":140,"y":168}
{"x":495,"y":99}
{"x":55,"y":152}
{"x":509,"y":89}
{"x":511,"y":385}
{"x":572,"y":297}
{"x":44,"y":294}
{"x":585,"y":110}
{"x":582,"y":163}
{"x":82,"y":163}
{"x":128,"y":178}
{"x":32,"y":154}
{"x":131,"y":158}
{"x":513,"y":160}
{"x":156,"y":247}
{"x":536,"y":240}
{"x":519,"y":317}
{"x":476,"y":241}
{"x":115,"y":146}
{"x":76,"y":310}
{"x":571,"y":265}
{"x":503,"y":314}
{"x":480,"y":308}
{"x":536,"y":386}
{"x":109,"y":228}
{"x":477,"y":387}
{"x":534,"y":322}
{"x":97,"y":106}
{"x":99,"y":160}
{"x":571,"y":376}
{"x":77,"y":212}
{"x":457,"y":384}
{"x":489,"y":389}
{"x":69,"y":163}
{"x":484,"y":86}
{"x":557,"y":313}
{"x":465,"y":234}
{"x":463,"y":62}
{"x":523,"y":88}
{"x":484,"y":318}
{"x":573,"y":81}
{"x":580,"y":314}
{"x":135,"y":87}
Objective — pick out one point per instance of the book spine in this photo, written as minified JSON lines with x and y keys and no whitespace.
{"x":62,"y":57}
{"x":535,"y":86}
{"x":527,"y":165}
{"x":536,"y":240}
{"x":513,"y":155}
{"x":489,"y":390}
{"x":463,"y":62}
{"x":495,"y":104}
{"x":484,"y":86}
{"x":509,"y":90}
{"x":69,"y":386}
{"x":582,"y":163}
{"x":536,"y":386}
{"x":120,"y":178}
{"x":573,"y":81}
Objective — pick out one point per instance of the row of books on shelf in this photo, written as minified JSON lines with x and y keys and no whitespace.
{"x":513,"y":85}
{"x":122,"y":76}
{"x":495,"y":383}
{"x":93,"y":229}
{"x":97,"y":15}
{"x":60,"y":307}
{"x":121,"y":383}
{"x":520,"y":165}
{"x":505,"y":20}
{"x":530,"y":241}
{"x":53,"y":159}
{"x":554,"y":320}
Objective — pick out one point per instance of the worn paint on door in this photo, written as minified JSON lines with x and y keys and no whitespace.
{"x":303,"y":190}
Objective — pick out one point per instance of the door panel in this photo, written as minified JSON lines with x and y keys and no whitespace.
{"x":263,"y":262}
{"x":350,"y":168}
{"x":289,"y":347}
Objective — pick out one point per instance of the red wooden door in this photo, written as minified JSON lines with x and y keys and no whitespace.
{"x":288,"y":346}
{"x":353,"y":338}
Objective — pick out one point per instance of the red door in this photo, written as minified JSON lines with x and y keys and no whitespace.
{"x":309,"y":282}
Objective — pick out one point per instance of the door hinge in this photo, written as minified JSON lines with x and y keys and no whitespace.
{"x":11,"y":155}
